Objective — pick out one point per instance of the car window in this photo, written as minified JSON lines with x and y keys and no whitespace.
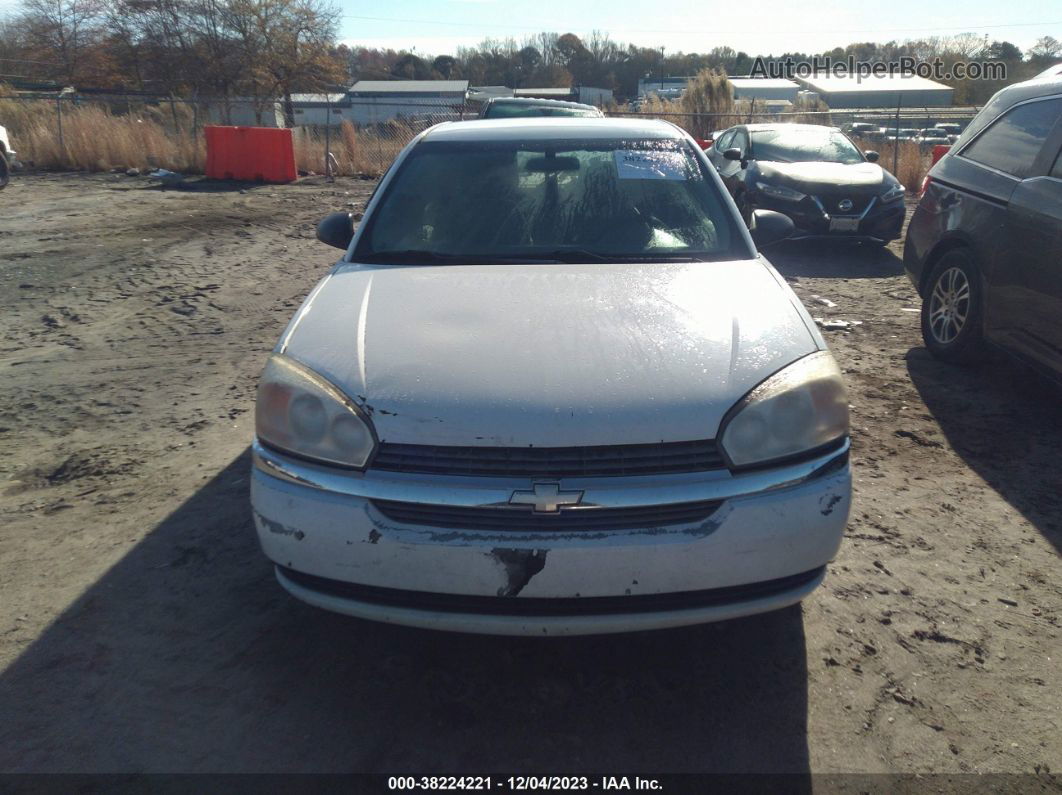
{"x":1012,"y":142}
{"x":507,"y":199}
{"x":724,"y":140}
{"x":1056,"y":169}
{"x":798,"y":144}
{"x":741,"y":141}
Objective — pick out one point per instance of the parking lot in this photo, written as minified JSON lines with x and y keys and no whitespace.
{"x":141,"y":628}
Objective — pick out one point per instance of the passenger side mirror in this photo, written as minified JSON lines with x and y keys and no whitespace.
{"x":769,"y":227}
{"x":732,"y":154}
{"x":336,"y":230}
{"x":871,"y":156}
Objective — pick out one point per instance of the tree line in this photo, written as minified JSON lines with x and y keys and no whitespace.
{"x":272,"y":48}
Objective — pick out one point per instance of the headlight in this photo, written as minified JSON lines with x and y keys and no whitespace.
{"x":780,"y":192}
{"x":893,"y":192}
{"x":300,"y":412}
{"x":796,"y":410}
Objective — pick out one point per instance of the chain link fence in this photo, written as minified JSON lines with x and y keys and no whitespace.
{"x":99,"y":132}
{"x":112,"y":132}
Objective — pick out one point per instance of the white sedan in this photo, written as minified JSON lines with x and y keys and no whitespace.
{"x":551,"y":388}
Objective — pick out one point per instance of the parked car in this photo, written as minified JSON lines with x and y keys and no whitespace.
{"x":813,"y":174}
{"x":860,"y":130}
{"x":7,"y":157}
{"x":983,"y":244}
{"x":947,"y":128}
{"x":551,"y":388}
{"x":927,"y":142}
{"x":519,"y":107}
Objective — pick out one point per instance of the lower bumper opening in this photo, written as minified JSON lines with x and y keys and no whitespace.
{"x":540,"y":607}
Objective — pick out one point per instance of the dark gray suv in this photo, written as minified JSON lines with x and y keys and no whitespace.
{"x":984,"y":247}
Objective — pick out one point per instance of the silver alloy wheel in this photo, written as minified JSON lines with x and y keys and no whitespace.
{"x":949,"y":305}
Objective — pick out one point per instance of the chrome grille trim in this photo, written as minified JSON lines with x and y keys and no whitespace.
{"x":552,"y":462}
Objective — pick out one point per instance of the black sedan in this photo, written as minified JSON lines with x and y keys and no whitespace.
{"x":813,"y":174}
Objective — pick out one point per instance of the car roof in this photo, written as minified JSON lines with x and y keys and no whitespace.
{"x":546,"y":128}
{"x":551,"y":103}
{"x":784,"y":126}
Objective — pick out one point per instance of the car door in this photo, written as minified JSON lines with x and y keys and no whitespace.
{"x":731,"y":171}
{"x":715,"y":154}
{"x":1009,"y":157}
{"x":1035,"y":230}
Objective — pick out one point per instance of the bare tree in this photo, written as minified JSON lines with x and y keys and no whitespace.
{"x":66,"y":32}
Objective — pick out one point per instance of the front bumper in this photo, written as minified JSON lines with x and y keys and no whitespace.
{"x":878,"y":221}
{"x":764,"y":548}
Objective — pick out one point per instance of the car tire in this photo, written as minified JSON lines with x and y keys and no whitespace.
{"x":952,"y":310}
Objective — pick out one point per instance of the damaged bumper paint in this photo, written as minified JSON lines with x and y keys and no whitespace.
{"x":334,"y":548}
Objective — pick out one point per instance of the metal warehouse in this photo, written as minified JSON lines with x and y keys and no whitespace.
{"x":375,"y":101}
{"x":764,"y":88}
{"x":320,"y":109}
{"x":906,"y":91}
{"x":588,"y":95}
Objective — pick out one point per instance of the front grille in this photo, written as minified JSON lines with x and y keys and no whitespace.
{"x":566,"y":519}
{"x":552,"y":462}
{"x":545,"y":606}
{"x":831,"y":199}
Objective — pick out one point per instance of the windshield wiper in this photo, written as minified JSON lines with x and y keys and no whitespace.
{"x":414,"y":256}
{"x":575,"y":256}
{"x":567,"y":255}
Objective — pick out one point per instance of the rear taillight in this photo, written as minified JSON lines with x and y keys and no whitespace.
{"x":925,"y":184}
{"x":704,"y":143}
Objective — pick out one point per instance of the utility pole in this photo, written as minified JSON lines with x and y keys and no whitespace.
{"x":896,"y":142}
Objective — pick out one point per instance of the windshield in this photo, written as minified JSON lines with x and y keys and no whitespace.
{"x":802,"y":144}
{"x":572,"y":201}
{"x":512,"y":110}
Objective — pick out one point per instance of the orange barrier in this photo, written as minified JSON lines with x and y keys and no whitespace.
{"x":260,"y":154}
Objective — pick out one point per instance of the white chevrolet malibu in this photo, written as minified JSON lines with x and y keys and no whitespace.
{"x":551,"y":388}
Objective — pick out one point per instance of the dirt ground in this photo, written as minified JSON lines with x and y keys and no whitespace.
{"x":141,"y":629}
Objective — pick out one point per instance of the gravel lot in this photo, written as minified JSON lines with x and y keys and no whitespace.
{"x":141,"y":628}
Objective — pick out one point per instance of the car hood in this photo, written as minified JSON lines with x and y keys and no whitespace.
{"x":548,"y":354}
{"x":817,"y":176}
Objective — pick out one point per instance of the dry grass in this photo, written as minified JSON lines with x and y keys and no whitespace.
{"x":99,"y":137}
{"x":95,"y":139}
{"x":357,"y":153}
{"x":911,"y":165}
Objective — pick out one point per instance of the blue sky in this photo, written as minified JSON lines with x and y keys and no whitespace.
{"x":439,"y":26}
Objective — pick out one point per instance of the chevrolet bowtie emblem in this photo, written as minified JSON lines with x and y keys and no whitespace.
{"x":546,"y":498}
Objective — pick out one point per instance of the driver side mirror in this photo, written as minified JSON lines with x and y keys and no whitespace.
{"x":732,"y":154}
{"x":871,"y":156}
{"x":769,"y":227}
{"x":336,"y":230}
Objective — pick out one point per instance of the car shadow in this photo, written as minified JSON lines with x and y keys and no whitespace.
{"x":197,"y":184}
{"x":1005,"y":421}
{"x":814,"y":258}
{"x":187,"y":656}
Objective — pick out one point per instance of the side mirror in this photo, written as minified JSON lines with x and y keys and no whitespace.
{"x":336,"y":230}
{"x":769,"y":227}
{"x":871,"y":156}
{"x":732,"y":154}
